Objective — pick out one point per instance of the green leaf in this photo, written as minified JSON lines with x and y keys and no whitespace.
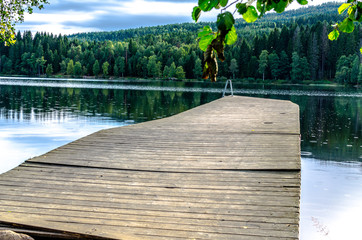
{"x":206,"y":36}
{"x":207,"y":5}
{"x":346,"y":26}
{"x":231,"y":37}
{"x":225,"y":21}
{"x":250,"y":15}
{"x":241,"y":8}
{"x":343,"y":7}
{"x":302,"y":2}
{"x":223,"y":3}
{"x":333,"y":35}
{"x":360,"y":50}
{"x":205,"y":31}
{"x":205,"y":41}
{"x":196,"y":13}
{"x":280,"y":6}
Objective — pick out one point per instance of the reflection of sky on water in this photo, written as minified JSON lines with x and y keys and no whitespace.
{"x":331,"y":200}
{"x":23,"y":137}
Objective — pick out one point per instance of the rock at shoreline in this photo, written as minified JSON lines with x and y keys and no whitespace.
{"x":10,"y":235}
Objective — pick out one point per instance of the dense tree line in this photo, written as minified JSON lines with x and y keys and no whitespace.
{"x":293,"y":52}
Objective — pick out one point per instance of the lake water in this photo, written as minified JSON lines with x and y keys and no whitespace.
{"x":38,"y":115}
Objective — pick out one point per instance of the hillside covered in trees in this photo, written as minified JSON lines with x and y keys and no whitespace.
{"x":290,"y":47}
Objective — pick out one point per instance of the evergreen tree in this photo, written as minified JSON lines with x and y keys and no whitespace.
{"x":180,"y":74}
{"x":274,"y":62}
{"x":153,"y":68}
{"x":172,"y":70}
{"x":244,"y":58}
{"x":70,"y":67}
{"x":233,"y":67}
{"x":263,"y":62}
{"x":49,"y":70}
{"x":166,"y":72}
{"x":313,"y":55}
{"x":304,"y":68}
{"x":105,"y":68}
{"x":77,"y":68}
{"x":253,"y":66}
{"x":296,"y":70}
{"x":354,"y":70}
{"x":359,"y":80}
{"x":96,"y":68}
{"x":197,"y":68}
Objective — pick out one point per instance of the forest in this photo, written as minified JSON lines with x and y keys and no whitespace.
{"x":292,"y":47}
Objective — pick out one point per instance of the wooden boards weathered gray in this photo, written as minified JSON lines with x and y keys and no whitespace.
{"x":229,"y":169}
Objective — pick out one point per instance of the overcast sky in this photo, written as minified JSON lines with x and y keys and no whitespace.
{"x":73,"y":16}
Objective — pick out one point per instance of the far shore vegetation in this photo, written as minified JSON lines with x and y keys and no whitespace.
{"x":287,"y":48}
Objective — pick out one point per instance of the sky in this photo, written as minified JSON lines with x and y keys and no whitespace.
{"x":74,"y":16}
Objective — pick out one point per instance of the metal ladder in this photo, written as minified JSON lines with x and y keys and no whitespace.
{"x":231,"y":88}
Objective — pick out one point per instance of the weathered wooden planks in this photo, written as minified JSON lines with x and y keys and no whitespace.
{"x":229,"y":169}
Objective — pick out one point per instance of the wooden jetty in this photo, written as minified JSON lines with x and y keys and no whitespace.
{"x":229,"y":169}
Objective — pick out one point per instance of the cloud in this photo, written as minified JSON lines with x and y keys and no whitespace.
{"x":70,"y":16}
{"x":115,"y":21}
{"x":73,"y":16}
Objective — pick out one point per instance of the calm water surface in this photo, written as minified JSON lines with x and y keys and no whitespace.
{"x":38,"y":115}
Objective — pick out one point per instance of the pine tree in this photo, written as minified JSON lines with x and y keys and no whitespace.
{"x":359,"y":80}
{"x":49,"y":70}
{"x":96,"y":68}
{"x":180,"y":74}
{"x":166,"y":71}
{"x":233,"y":67}
{"x":197,"y":68}
{"x":77,"y":68}
{"x":313,"y":55}
{"x":296,"y":70}
{"x":105,"y":68}
{"x":244,"y":58}
{"x":304,"y":68}
{"x":172,"y":70}
{"x":274,"y":62}
{"x":354,"y":70}
{"x":263,"y":62}
{"x":70,"y":68}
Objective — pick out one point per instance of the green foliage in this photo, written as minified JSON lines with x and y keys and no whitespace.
{"x":206,"y":37}
{"x":171,"y":46}
{"x":231,"y":37}
{"x":251,"y":15}
{"x":196,"y":14}
{"x":105,"y":68}
{"x":198,"y":68}
{"x":354,"y":14}
{"x":96,"y":68}
{"x":12,"y":12}
{"x":180,"y":74}
{"x":274,"y":63}
{"x":225,"y":22}
{"x":263,"y":62}
{"x":233,"y":67}
{"x":70,"y":67}
{"x":49,"y":70}
{"x":333,"y":35}
{"x":77,"y":69}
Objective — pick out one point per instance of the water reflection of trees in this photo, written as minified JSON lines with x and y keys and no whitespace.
{"x":331,"y":127}
{"x":122,"y":105}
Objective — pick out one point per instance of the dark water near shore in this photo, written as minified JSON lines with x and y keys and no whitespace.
{"x":38,"y":115}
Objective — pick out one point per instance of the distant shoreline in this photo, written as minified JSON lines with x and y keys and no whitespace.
{"x":325,"y":83}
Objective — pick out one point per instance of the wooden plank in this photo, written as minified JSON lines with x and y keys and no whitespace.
{"x":225,"y":170}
